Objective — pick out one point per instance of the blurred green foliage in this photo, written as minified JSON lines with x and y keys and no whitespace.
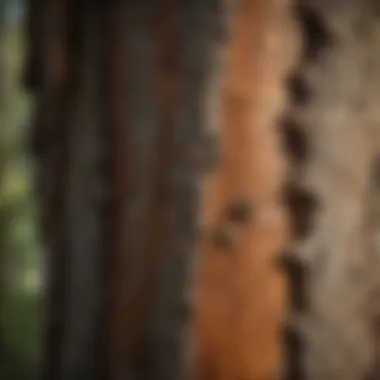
{"x":20,"y":301}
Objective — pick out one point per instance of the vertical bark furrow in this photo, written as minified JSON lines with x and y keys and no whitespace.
{"x":139,"y":139}
{"x":203,"y":28}
{"x":86,"y":196}
{"x":161,"y":142}
{"x":136,"y":131}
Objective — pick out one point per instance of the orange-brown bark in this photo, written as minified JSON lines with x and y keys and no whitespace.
{"x":242,"y":294}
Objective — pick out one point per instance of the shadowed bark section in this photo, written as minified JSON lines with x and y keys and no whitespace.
{"x":132,"y":79}
{"x":135,"y":77}
{"x":68,"y":143}
{"x":163,"y":146}
{"x":87,"y":192}
{"x":361,"y":274}
{"x":191,"y":135}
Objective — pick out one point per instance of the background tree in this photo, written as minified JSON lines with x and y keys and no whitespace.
{"x":2,"y":211}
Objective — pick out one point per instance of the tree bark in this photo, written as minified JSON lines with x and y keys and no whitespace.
{"x":161,"y":158}
{"x":242,"y":293}
{"x":332,"y":135}
{"x":159,"y":266}
{"x":122,"y":136}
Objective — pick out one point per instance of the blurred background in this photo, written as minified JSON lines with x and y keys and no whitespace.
{"x":20,"y":250}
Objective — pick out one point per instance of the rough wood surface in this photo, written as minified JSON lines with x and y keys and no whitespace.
{"x":134,"y":112}
{"x":242,"y":292}
{"x":331,"y":333}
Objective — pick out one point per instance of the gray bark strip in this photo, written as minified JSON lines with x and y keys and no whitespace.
{"x":332,"y":324}
{"x":86,"y":197}
{"x":201,"y":23}
{"x":140,"y":135}
{"x":136,"y":124}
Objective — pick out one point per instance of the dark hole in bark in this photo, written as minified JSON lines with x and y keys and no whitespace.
{"x":294,"y":141}
{"x":375,"y":173}
{"x":292,"y":339}
{"x":314,"y":30}
{"x":239,"y":211}
{"x":297,"y":273}
{"x":302,"y":206}
{"x":299,"y":91}
{"x":224,"y":238}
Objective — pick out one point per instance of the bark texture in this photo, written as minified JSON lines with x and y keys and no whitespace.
{"x":331,"y":135}
{"x":66,"y":70}
{"x":135,"y":110}
{"x":167,"y":140}
{"x":125,"y":139}
{"x":242,"y":292}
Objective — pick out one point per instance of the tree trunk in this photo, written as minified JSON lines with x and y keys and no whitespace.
{"x":134,"y":106}
{"x":124,"y":137}
{"x":331,"y":131}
